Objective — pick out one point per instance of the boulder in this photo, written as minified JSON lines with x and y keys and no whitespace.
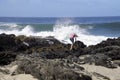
{"x":78,"y":45}
{"x":6,"y":58}
{"x":7,"y":42}
{"x":100,"y":59}
{"x":44,"y":69}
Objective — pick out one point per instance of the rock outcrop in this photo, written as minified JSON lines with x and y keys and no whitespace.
{"x":49,"y":59}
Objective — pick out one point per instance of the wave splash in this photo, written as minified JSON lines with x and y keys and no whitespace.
{"x":60,"y":32}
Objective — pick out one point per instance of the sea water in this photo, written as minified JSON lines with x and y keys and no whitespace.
{"x":90,"y":30}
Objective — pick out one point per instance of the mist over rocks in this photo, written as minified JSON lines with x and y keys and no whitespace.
{"x":42,"y":57}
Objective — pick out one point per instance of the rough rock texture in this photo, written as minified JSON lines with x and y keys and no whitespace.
{"x":6,"y":58}
{"x":45,"y":69}
{"x":100,"y":59}
{"x":50,"y":48}
{"x":49,"y":59}
{"x":110,"y":47}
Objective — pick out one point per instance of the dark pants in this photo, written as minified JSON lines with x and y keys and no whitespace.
{"x":72,"y":40}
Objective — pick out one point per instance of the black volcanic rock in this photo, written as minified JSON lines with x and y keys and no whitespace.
{"x":108,"y":42}
{"x":7,"y":42}
{"x":110,"y":51}
{"x":78,"y":44}
{"x":49,"y":59}
{"x":51,"y":48}
{"x":100,"y":59}
{"x":44,"y":69}
{"x":110,"y":47}
{"x":6,"y":58}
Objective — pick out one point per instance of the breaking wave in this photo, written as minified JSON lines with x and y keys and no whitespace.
{"x":60,"y":32}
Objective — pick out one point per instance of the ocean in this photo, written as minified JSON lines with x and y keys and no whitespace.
{"x":90,"y":30}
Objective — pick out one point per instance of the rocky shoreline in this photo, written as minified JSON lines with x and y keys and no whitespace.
{"x":49,"y":59}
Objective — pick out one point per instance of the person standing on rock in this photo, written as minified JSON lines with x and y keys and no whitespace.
{"x":73,"y":37}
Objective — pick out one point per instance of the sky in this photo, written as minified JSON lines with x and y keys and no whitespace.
{"x":59,"y":8}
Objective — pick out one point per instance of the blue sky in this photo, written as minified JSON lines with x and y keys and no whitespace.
{"x":59,"y":8}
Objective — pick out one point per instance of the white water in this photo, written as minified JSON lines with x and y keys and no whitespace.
{"x":60,"y":32}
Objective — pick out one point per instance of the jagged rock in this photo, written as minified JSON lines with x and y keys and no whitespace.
{"x":6,"y":58}
{"x":100,"y":59}
{"x":48,"y":70}
{"x":48,"y":47}
{"x":39,"y":56}
{"x":108,"y":42}
{"x":11,"y":43}
{"x":110,"y":47}
{"x":7,"y":42}
{"x":110,"y":51}
{"x":51,"y":48}
{"x":78,"y":44}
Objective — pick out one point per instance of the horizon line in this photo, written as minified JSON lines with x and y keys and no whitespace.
{"x":53,"y":16}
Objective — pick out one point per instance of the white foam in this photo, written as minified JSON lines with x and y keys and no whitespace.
{"x":27,"y":31}
{"x":60,"y":32}
{"x":10,"y":25}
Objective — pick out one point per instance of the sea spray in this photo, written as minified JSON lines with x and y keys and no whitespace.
{"x":60,"y":31}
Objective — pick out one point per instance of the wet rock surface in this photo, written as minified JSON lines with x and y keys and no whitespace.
{"x":49,"y":59}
